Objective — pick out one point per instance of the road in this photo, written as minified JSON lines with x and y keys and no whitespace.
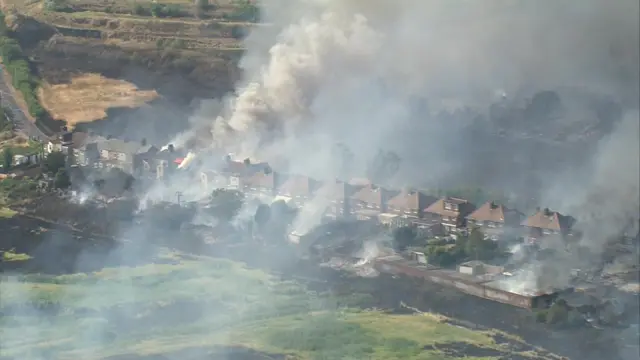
{"x":21,"y":121}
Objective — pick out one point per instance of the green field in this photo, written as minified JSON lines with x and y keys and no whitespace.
{"x":207,"y":304}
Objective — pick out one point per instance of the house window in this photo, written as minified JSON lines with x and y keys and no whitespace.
{"x":447,"y":206}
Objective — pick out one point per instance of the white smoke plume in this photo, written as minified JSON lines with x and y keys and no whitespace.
{"x":365,"y":57}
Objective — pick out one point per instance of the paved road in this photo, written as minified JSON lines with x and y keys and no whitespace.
{"x":22,"y":123}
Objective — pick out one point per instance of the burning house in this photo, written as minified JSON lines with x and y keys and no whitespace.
{"x":546,"y":223}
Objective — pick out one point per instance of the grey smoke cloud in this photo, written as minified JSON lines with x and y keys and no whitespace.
{"x":345,"y":69}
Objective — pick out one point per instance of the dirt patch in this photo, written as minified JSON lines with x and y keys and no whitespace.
{"x":87,"y":97}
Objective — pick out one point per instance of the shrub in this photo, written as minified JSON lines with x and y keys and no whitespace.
{"x":161,"y":11}
{"x":558,"y":314}
{"x":57,"y":5}
{"x":139,"y":10}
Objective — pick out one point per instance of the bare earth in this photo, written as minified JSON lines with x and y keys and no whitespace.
{"x":88,"y":97}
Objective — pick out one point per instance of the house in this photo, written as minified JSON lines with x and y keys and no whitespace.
{"x":546,"y":222}
{"x":450,"y":212}
{"x":237,"y":172}
{"x":299,"y":189}
{"x":369,"y":201}
{"x":409,"y":205}
{"x":337,"y":193}
{"x":494,"y":219}
{"x":262,"y":183}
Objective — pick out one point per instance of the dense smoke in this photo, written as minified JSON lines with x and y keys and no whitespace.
{"x":347,"y":69}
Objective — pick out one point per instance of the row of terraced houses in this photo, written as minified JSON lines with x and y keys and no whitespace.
{"x":362,"y":200}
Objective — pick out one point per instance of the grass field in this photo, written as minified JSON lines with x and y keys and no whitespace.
{"x":87,"y":97}
{"x":207,"y":304}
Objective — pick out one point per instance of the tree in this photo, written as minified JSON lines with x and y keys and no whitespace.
{"x":7,"y":159}
{"x":201,"y":7}
{"x":263,"y":214}
{"x":403,"y":237}
{"x":479,"y":248}
{"x":54,"y":162}
{"x":62,"y":180}
{"x":225,"y":204}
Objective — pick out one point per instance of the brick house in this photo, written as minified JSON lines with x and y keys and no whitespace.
{"x":337,"y":193}
{"x":495,"y":219}
{"x":263,"y":183}
{"x":545,"y":223}
{"x":370,"y":201}
{"x":298,"y":188}
{"x":409,"y":205}
{"x":450,"y":212}
{"x":237,"y":172}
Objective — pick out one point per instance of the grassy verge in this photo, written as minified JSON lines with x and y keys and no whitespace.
{"x":6,"y":213}
{"x":12,"y":256}
{"x":185,"y":304}
{"x":21,"y":72}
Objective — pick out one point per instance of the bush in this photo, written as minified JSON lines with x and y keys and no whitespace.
{"x":444,"y":255}
{"x":161,"y":11}
{"x":558,"y":314}
{"x":244,"y":11}
{"x":139,"y":10}
{"x":57,"y":5}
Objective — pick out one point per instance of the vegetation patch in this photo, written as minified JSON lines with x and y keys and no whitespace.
{"x":12,"y":255}
{"x":202,"y":305}
{"x":23,"y":78}
{"x":7,"y":213}
{"x":87,"y":97}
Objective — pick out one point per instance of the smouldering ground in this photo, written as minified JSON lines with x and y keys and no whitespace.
{"x":202,"y":303}
{"x":88,"y":97}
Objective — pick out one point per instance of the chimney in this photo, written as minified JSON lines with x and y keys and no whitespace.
{"x":171,"y":148}
{"x":227,"y":158}
{"x":537,"y":209}
{"x":143,"y":142}
{"x":547,"y":212}
{"x":493,"y":205}
{"x":247,"y":161}
{"x":267,"y":170}
{"x":109,"y":137}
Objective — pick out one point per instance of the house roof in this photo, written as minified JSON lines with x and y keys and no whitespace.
{"x":260,"y":179}
{"x":80,"y":139}
{"x":298,"y":185}
{"x":439,"y":209}
{"x":143,"y":149}
{"x":498,"y":213}
{"x":234,"y":167}
{"x":117,"y":145}
{"x":411,"y":200}
{"x":551,"y":220}
{"x":372,"y":194}
{"x":336,"y":190}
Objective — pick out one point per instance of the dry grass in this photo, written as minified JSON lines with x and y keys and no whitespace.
{"x":6,"y":213}
{"x":88,"y":97}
